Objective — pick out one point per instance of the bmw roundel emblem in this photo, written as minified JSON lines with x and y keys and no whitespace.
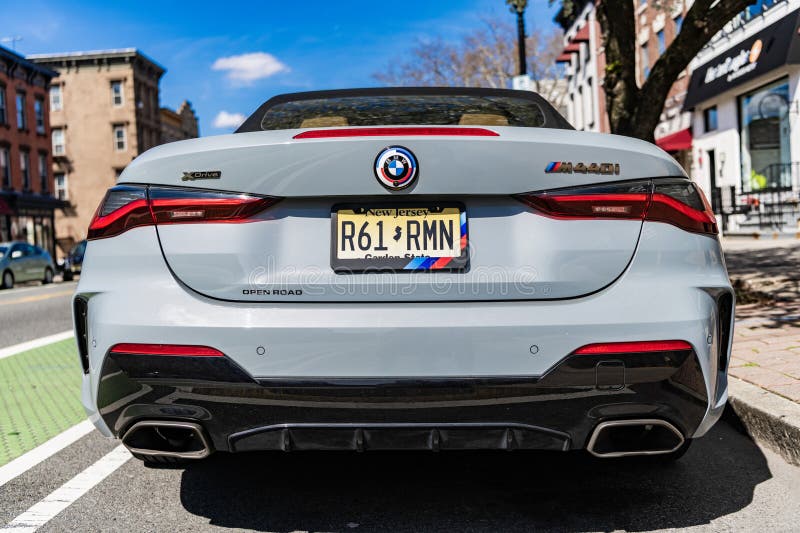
{"x":396,"y":167}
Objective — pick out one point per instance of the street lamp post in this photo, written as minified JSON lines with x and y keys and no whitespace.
{"x":518,"y":7}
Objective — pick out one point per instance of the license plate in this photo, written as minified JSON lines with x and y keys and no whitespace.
{"x":391,"y":238}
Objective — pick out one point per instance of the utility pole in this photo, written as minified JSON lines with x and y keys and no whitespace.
{"x":13,"y":40}
{"x":518,"y":7}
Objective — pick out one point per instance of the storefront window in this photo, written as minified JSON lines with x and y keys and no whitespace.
{"x":765,"y":138}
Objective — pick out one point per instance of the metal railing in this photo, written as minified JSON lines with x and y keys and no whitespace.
{"x":773,"y":201}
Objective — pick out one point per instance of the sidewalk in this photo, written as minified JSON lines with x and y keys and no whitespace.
{"x":766,"y":347}
{"x":766,"y":342}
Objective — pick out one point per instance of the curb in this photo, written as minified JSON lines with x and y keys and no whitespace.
{"x":767,"y":417}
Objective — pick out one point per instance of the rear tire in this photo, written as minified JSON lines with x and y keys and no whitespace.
{"x":48,"y":276}
{"x":8,"y":280}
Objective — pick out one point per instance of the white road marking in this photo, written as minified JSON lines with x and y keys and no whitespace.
{"x":35,"y":343}
{"x":40,"y":288}
{"x":25,"y":462}
{"x":68,"y":493}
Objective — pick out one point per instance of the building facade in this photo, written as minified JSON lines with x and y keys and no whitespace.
{"x":179,"y":124}
{"x":104,"y":111}
{"x":743,"y":96}
{"x":656,"y":27}
{"x":584,"y":61}
{"x":27,"y":205}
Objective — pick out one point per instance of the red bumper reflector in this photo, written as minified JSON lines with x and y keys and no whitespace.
{"x":180,"y":350}
{"x":633,"y":347}
{"x":397,"y":132}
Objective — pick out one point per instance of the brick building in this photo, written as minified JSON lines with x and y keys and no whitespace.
{"x":104,"y":111}
{"x":27,"y":205}
{"x":178,"y":125}
{"x":656,"y":27}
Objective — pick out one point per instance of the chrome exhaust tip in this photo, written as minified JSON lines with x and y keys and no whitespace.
{"x":167,"y":438}
{"x":626,"y":438}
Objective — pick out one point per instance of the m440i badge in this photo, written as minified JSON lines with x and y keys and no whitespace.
{"x":568,"y":167}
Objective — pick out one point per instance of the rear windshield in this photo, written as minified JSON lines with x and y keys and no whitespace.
{"x":391,"y":110}
{"x":3,"y":251}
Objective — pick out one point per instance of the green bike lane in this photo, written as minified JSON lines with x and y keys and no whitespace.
{"x":39,"y":397}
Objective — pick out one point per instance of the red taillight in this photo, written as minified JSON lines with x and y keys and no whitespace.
{"x":126,"y":207}
{"x":400,"y":132}
{"x":172,"y":206}
{"x":633,"y":347}
{"x":132,"y":215}
{"x":677,"y":202}
{"x":177,"y":350}
{"x":628,"y":206}
{"x":682,"y":204}
{"x":627,"y":200}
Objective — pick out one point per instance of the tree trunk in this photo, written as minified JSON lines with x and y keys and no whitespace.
{"x":635,"y":111}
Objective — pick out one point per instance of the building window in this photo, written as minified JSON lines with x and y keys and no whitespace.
{"x":3,"y":106}
{"x":62,"y":193}
{"x":59,"y":142}
{"x":21,"y":122}
{"x":25,"y":169}
{"x":56,"y":101}
{"x":645,"y":61}
{"x":662,"y":44}
{"x":120,"y":138}
{"x":38,"y":113}
{"x":589,"y":104}
{"x":678,"y":24}
{"x":765,"y":138}
{"x":43,"y":174}
{"x":5,"y":167}
{"x":116,"y":93}
{"x":710,"y":118}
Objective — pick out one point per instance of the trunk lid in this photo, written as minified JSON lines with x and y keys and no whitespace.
{"x":285,"y":254}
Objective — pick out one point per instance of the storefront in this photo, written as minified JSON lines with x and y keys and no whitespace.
{"x":746,"y":139}
{"x":28,"y":218}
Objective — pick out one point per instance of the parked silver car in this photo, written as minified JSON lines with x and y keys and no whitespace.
{"x":20,"y":261}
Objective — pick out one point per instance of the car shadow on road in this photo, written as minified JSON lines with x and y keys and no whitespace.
{"x":458,"y":491}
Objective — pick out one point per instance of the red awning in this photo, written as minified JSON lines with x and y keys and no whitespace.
{"x":582,"y":36}
{"x":681,"y":140}
{"x":564,"y":58}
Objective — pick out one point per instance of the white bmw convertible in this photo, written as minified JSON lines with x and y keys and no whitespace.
{"x":416,"y":268}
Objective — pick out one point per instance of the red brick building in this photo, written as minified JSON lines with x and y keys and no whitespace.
{"x":657,"y":24}
{"x":27,"y":203}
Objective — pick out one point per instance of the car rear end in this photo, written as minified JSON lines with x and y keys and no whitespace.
{"x":527,"y":288}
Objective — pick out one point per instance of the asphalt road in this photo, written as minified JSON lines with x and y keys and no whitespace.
{"x":724,"y":483}
{"x":32,"y":311}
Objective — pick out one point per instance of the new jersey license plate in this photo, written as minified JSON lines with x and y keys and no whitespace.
{"x":413,"y":237}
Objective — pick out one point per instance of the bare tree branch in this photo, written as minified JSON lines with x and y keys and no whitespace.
{"x":484,"y":57}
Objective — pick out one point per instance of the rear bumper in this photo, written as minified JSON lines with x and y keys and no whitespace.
{"x":354,"y":371}
{"x":555,"y":412}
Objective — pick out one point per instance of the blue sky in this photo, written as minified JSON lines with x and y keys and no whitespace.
{"x":230,"y":56}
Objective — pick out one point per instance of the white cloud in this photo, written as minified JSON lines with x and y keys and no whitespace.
{"x":225,"y":120}
{"x":246,"y":68}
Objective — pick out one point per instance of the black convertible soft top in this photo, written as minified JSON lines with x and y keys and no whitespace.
{"x":390,"y":106}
